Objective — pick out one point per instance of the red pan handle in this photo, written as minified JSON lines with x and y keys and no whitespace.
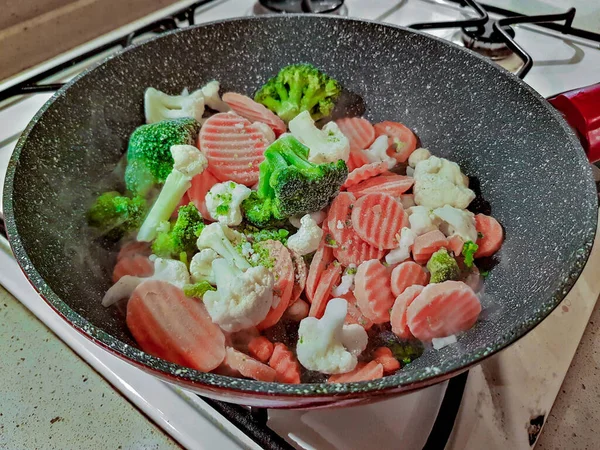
{"x":581,"y":109}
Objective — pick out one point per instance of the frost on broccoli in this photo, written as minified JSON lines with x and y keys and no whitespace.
{"x":290,"y":185}
{"x":255,"y":234}
{"x":182,"y":236}
{"x":442,"y":267}
{"x":149,"y":159}
{"x":114,"y":215}
{"x":297,"y":88}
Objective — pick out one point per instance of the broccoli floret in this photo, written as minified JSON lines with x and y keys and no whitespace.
{"x":115,"y":215}
{"x":257,"y":235}
{"x":297,"y":88}
{"x":442,"y":267}
{"x":149,"y":160}
{"x":468,"y":251}
{"x":182,"y":237}
{"x":290,"y":185}
{"x":197,"y":290}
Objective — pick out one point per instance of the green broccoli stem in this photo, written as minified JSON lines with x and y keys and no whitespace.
{"x":170,"y":195}
{"x":292,"y":157}
{"x":264,"y":189}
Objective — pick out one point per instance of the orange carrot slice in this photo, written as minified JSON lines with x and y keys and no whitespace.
{"x":377,"y":219}
{"x":167,"y":324}
{"x":286,"y":365}
{"x":321,"y":259}
{"x":356,"y":251}
{"x":407,"y":274}
{"x":363,"y":372}
{"x":443,"y":309}
{"x":248,"y":366}
{"x":283,"y":271}
{"x":254,"y":112}
{"x":401,"y":140}
{"x":357,"y":159}
{"x":359,"y":131}
{"x":241,"y":339}
{"x":201,"y":184}
{"x":354,"y":314}
{"x":384,"y":356}
{"x":300,"y":272}
{"x":455,"y":244}
{"x":398,"y":314}
{"x":493,"y":235}
{"x":372,"y":290}
{"x":134,"y":248}
{"x":427,"y":244}
{"x":394,"y":185}
{"x":297,"y":310}
{"x":330,"y":278}
{"x":338,"y":219}
{"x":365,"y":172}
{"x":234,"y":147}
{"x":136,"y":265}
{"x":260,"y":348}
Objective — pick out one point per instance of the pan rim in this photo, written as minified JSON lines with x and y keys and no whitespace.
{"x":402,"y":381}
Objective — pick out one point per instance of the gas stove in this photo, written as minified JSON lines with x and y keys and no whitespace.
{"x":563,"y":59}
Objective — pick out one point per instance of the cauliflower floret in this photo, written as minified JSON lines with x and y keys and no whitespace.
{"x":201,"y":265}
{"x":242,"y":299}
{"x":346,"y":283}
{"x":212,"y":99}
{"x":169,"y":270}
{"x":377,"y":152}
{"x":326,"y":145}
{"x":402,"y":252}
{"x":420,"y":154}
{"x":317,"y":216}
{"x":440,"y":182}
{"x":306,"y":239}
{"x":188,"y":160}
{"x":422,"y":220}
{"x":160,"y":106}
{"x":327,"y":345}
{"x":459,"y":222}
{"x":224,"y":201}
{"x":219,"y":237}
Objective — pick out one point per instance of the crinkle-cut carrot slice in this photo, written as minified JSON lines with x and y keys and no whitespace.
{"x":254,"y":112}
{"x":134,"y":248}
{"x":365,"y":172}
{"x":338,"y":220}
{"x":363,"y":372}
{"x":394,"y":185}
{"x":492,"y":235}
{"x":358,"y":130}
{"x":372,"y":290}
{"x":455,"y":244}
{"x":286,"y":365}
{"x":398,"y":314}
{"x":135,"y":265}
{"x":354,"y":314}
{"x":384,"y":356}
{"x":260,"y":348}
{"x":248,"y":367}
{"x":321,"y":259}
{"x":443,"y":309}
{"x":171,"y":326}
{"x":300,"y":273}
{"x":201,"y":184}
{"x":427,"y":244}
{"x":356,"y":159}
{"x":407,"y":274}
{"x":401,"y":140}
{"x":377,"y":219}
{"x":329,"y":279}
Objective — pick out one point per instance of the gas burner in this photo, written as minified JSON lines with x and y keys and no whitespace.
{"x":486,"y":41}
{"x":300,"y":6}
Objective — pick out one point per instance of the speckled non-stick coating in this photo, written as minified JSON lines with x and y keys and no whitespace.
{"x":530,"y":167}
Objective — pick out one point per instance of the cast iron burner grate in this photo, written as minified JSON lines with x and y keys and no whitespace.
{"x":300,"y":6}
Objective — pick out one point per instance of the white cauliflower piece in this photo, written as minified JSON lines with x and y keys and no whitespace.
{"x":160,"y":106}
{"x":402,"y":252}
{"x":326,"y":145}
{"x":346,"y":283}
{"x":218,"y":237}
{"x":201,"y":265}
{"x":242,"y":299}
{"x":459,"y":222}
{"x":266,"y":130}
{"x":188,"y":160}
{"x":377,"y":152}
{"x":224,"y":201}
{"x":306,"y":240}
{"x":422,"y":220}
{"x":327,"y":345}
{"x":420,"y":154}
{"x":317,"y":216}
{"x":169,"y":270}
{"x":440,"y":182}
{"x":212,"y":99}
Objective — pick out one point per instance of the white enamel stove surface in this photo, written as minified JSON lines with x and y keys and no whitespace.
{"x":560,"y":63}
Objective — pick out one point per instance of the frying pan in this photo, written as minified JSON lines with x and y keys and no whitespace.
{"x":521,"y":156}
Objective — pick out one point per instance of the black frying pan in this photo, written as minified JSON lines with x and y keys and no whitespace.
{"x":525,"y":160}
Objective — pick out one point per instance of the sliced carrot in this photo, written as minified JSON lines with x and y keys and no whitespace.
{"x":394,"y":185}
{"x":443,"y":309}
{"x":363,"y":372}
{"x":357,"y":158}
{"x":385,"y":357}
{"x":455,"y":244}
{"x":286,"y":365}
{"x":297,"y":310}
{"x":321,"y":259}
{"x":354,"y":314}
{"x":260,"y":348}
{"x":330,"y":278}
{"x":234,"y":147}
{"x":201,"y":184}
{"x":254,"y":112}
{"x":427,"y":244}
{"x":283,"y":271}
{"x":365,"y":172}
{"x":492,"y":235}
{"x":356,"y":251}
{"x":338,"y":219}
{"x":134,"y":248}
{"x":398,"y":314}
{"x":241,"y":339}
{"x":401,"y":140}
{"x":377,"y":219}
{"x":407,"y":274}
{"x":407,"y":200}
{"x":136,"y":265}
{"x":372,"y":290}
{"x":248,"y":366}
{"x":171,"y":326}
{"x":359,"y":131}
{"x":300,"y":272}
